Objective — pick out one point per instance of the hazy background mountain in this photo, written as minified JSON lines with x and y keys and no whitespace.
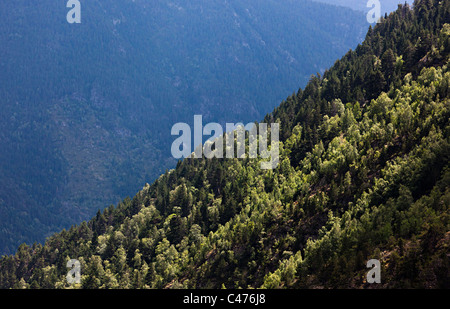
{"x":387,"y":6}
{"x":86,"y":109}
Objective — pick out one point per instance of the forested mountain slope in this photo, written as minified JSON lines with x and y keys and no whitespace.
{"x":364,"y":174}
{"x":86,"y":109}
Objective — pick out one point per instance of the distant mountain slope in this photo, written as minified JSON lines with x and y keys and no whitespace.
{"x":364,"y":174}
{"x":387,"y":6}
{"x":87,"y":108}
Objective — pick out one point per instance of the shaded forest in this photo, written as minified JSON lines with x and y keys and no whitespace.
{"x":86,"y":109}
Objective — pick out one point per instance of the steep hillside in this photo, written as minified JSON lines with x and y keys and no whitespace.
{"x":87,"y":108}
{"x":364,"y":174}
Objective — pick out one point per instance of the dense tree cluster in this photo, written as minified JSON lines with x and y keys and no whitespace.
{"x":364,"y":173}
